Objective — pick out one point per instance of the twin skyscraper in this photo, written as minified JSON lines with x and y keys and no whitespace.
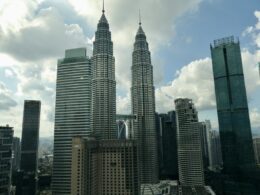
{"x":88,"y":157}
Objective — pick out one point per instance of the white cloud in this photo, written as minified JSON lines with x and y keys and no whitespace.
{"x":123,"y":104}
{"x":254,"y":31}
{"x":6,"y":98}
{"x":194,"y":81}
{"x":255,"y":118}
{"x":13,"y":14}
{"x":43,"y":36}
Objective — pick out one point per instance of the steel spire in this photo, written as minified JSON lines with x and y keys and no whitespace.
{"x":140,"y":21}
{"x":103,"y":10}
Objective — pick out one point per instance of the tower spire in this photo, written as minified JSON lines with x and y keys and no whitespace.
{"x":103,"y":10}
{"x":140,"y":21}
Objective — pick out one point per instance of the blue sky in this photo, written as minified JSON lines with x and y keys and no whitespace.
{"x":35,"y":33}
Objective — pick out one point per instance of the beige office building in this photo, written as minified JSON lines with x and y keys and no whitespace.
{"x":102,"y":167}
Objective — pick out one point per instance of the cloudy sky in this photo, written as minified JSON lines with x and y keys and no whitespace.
{"x":35,"y":33}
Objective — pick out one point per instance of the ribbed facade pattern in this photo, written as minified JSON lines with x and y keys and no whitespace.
{"x":143,"y":106}
{"x":72,"y":114}
{"x":190,"y":162}
{"x":103,"y":83}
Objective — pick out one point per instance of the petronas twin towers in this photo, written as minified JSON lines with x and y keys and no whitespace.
{"x":103,"y":109}
{"x":143,"y":100}
{"x":143,"y":106}
{"x":101,"y":113}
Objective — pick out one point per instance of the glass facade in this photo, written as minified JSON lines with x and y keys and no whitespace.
{"x":232,"y":107}
{"x":29,"y":148}
{"x":72,"y":113}
{"x":167,"y":145}
{"x":6,"y":139}
{"x":30,"y":136}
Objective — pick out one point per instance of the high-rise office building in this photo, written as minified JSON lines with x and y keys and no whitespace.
{"x":29,"y":148}
{"x":6,"y":141}
{"x":232,"y":107}
{"x":16,"y":154}
{"x":104,"y":167}
{"x":143,"y":106}
{"x":167,"y":145}
{"x":256,"y":142}
{"x":103,"y":83}
{"x":215,"y":155}
{"x":204,"y":144}
{"x":190,"y":162}
{"x":72,"y":113}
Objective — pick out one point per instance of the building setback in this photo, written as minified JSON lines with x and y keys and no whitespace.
{"x":72,"y":113}
{"x":232,"y":107}
{"x":6,"y":140}
{"x":190,"y":161}
{"x":103,"y":110}
{"x":103,"y":167}
{"x":29,"y":149}
{"x":143,"y":106}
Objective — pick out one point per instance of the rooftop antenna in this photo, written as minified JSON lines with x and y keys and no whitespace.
{"x":140,"y":21}
{"x":103,"y":10}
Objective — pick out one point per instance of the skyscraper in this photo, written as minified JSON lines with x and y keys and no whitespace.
{"x":215,"y":155}
{"x":6,"y":141}
{"x":143,"y":106}
{"x":204,"y":144}
{"x":72,"y":113}
{"x":103,"y":83}
{"x":232,"y":107}
{"x":190,"y":162}
{"x":16,"y":154}
{"x":166,"y":128}
{"x":29,"y":147}
{"x":256,"y":142}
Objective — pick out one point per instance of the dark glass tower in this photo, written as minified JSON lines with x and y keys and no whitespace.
{"x":103,"y":83}
{"x":29,"y":147}
{"x":30,"y":136}
{"x":143,"y":106}
{"x":167,"y":147}
{"x":232,"y":107}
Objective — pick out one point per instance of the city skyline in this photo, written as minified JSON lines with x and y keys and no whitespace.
{"x":37,"y":76}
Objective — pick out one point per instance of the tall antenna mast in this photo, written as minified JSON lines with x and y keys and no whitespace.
{"x":103,"y":10}
{"x":140,"y":19}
